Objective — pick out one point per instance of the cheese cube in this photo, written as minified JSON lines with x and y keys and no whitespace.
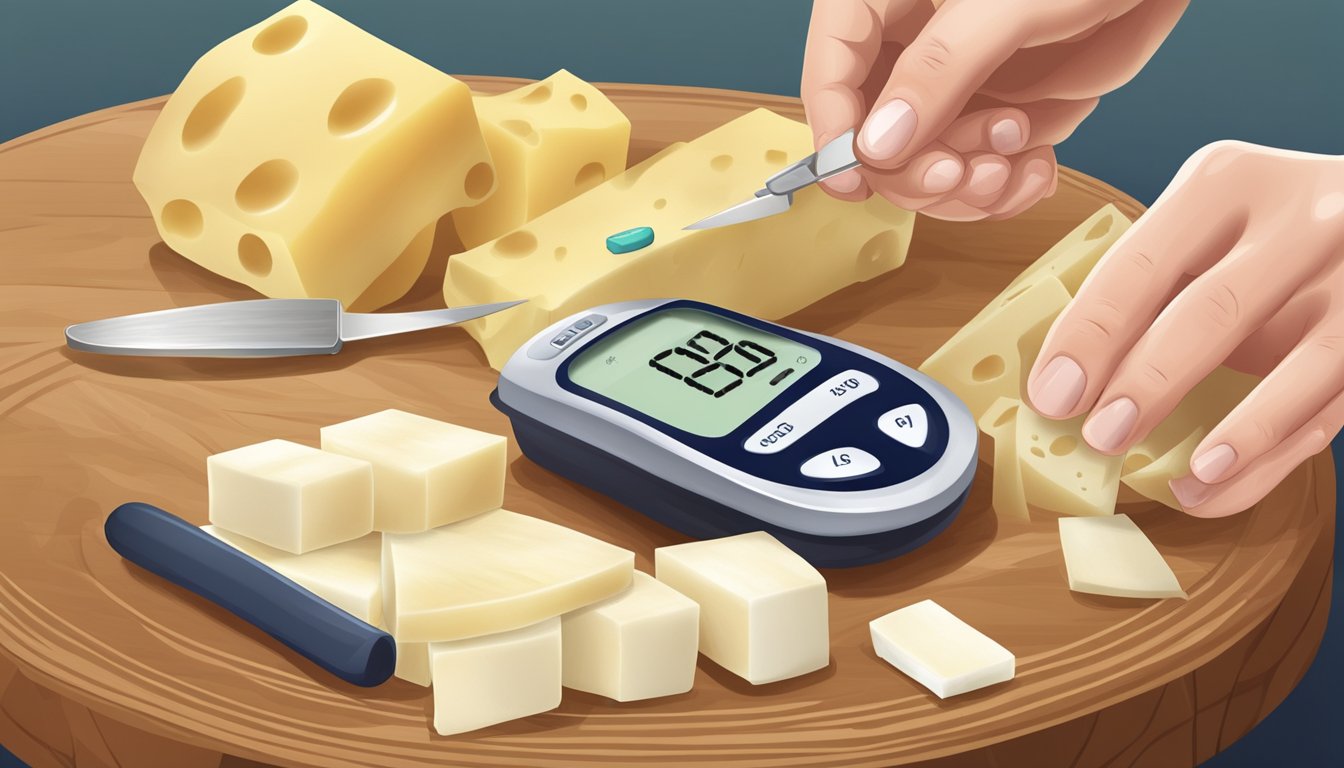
{"x":1000,"y":423}
{"x":290,"y":496}
{"x":940,"y":651}
{"x":559,"y":262}
{"x":1062,"y":473}
{"x":303,"y":155}
{"x":427,"y":473}
{"x":549,"y":141}
{"x":492,"y":573}
{"x":640,"y":644}
{"x":1074,"y":257}
{"x":763,"y":609}
{"x":489,"y":680}
{"x":413,"y":663}
{"x":1111,"y":556}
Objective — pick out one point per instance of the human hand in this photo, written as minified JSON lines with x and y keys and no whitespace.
{"x":961,"y":102}
{"x":1239,"y":262}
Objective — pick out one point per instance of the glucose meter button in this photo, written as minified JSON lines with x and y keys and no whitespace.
{"x":840,"y":463}
{"x":809,"y":411}
{"x":908,"y":425}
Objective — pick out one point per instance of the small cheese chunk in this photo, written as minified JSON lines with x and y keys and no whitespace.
{"x":426,"y":473}
{"x":413,"y":663}
{"x":492,"y":573}
{"x":549,"y":141}
{"x":489,"y":680}
{"x":1074,"y":257}
{"x":940,"y":651}
{"x":290,"y":496}
{"x":1000,"y":423}
{"x":763,"y":609}
{"x":1062,"y":473}
{"x":640,"y":644}
{"x":1111,"y":556}
{"x":1151,"y":479}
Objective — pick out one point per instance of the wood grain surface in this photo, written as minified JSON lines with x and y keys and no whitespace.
{"x":105,"y":665}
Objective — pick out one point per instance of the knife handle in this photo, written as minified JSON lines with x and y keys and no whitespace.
{"x":170,"y":547}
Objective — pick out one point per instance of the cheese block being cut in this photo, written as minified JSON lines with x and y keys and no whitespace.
{"x":397,"y":279}
{"x":1000,"y":423}
{"x":549,"y":141}
{"x":1073,"y":258}
{"x":1062,"y":473}
{"x":763,"y":609}
{"x":426,"y":472}
{"x":489,"y":680}
{"x":940,"y":651}
{"x":492,"y":573}
{"x":303,"y":156}
{"x":640,"y":644}
{"x":1111,"y":556}
{"x":559,"y":261}
{"x":290,"y":496}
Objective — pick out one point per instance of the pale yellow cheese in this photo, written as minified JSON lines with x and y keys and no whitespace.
{"x":489,"y":680}
{"x":492,"y":573}
{"x":413,"y":663}
{"x":940,"y":651}
{"x":763,"y":609}
{"x":1152,"y":479}
{"x":640,"y":644}
{"x":559,"y":261}
{"x":1062,"y":473}
{"x":302,"y":156}
{"x":1073,"y":258}
{"x":1000,"y":423}
{"x":549,"y":141}
{"x":1111,"y":556}
{"x":427,"y":473}
{"x":398,"y":278}
{"x":290,"y":496}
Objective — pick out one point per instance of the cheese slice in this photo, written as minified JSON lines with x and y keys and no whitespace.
{"x":303,"y":156}
{"x":1074,"y":257}
{"x":940,"y":651}
{"x":489,"y":680}
{"x":549,"y":141}
{"x":1062,"y":473}
{"x":560,"y":264}
{"x":1111,"y":556}
{"x":492,"y":573}
{"x":1000,"y":423}
{"x":1152,"y":479}
{"x":763,"y":609}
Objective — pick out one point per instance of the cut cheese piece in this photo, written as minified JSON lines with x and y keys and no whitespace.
{"x":290,"y":496}
{"x":549,"y":141}
{"x":492,"y":573}
{"x":345,"y":575}
{"x":1074,"y":257}
{"x":763,"y":609}
{"x":1062,"y":473}
{"x":302,"y":156}
{"x":1152,"y":480}
{"x":559,"y":261}
{"x":426,"y":473}
{"x":413,"y":663}
{"x":489,"y":680}
{"x":1111,"y":556}
{"x":1000,"y":423}
{"x":940,"y":651}
{"x":640,"y":644}
{"x":398,"y":278}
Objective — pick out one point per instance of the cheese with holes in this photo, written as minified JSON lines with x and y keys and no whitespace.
{"x":303,"y":156}
{"x":1151,"y":479}
{"x":1073,"y":258}
{"x":640,"y":644}
{"x":763,"y":609}
{"x":549,"y":141}
{"x":940,"y":651}
{"x":290,"y":496}
{"x":426,"y":472}
{"x":1000,"y":423}
{"x":1111,"y":556}
{"x":1062,"y":473}
{"x":489,"y":680}
{"x":492,"y":573}
{"x":559,"y":261}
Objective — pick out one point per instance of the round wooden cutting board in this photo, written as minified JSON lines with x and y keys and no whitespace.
{"x":103,"y":664}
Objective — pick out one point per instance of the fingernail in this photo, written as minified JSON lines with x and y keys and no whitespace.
{"x":942,"y":176}
{"x":1107,"y":428}
{"x":844,"y":183}
{"x":888,"y":130}
{"x":1211,"y":465}
{"x":1005,"y":136}
{"x":987,"y":178}
{"x":1058,"y":388}
{"x":1189,"y":491}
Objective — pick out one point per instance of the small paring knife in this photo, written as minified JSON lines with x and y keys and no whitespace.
{"x":257,"y":328}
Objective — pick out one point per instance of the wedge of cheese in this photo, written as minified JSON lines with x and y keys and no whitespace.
{"x":549,"y":141}
{"x":493,"y":573}
{"x":559,"y":261}
{"x":303,"y":156}
{"x":1000,"y":423}
{"x":489,"y":680}
{"x":1152,"y":479}
{"x":1074,"y":257}
{"x":1062,"y":473}
{"x":940,"y":651}
{"x":1111,"y":556}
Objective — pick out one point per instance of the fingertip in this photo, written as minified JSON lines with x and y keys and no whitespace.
{"x":1008,"y":135}
{"x":1190,"y":493}
{"x":942,"y":175}
{"x":848,"y":186}
{"x":887,"y":132}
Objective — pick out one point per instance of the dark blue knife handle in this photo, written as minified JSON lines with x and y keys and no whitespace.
{"x":180,"y":552}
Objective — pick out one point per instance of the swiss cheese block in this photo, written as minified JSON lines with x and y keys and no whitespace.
{"x":489,"y":680}
{"x":1000,"y":423}
{"x":940,"y":651}
{"x":427,"y":473}
{"x":560,"y":264}
{"x":290,"y":496}
{"x":1062,"y":473}
{"x":1152,"y":479}
{"x":549,"y":141}
{"x":303,"y":156}
{"x":640,"y":644}
{"x":1073,"y":258}
{"x":1111,"y":556}
{"x":492,"y":573}
{"x":763,"y":609}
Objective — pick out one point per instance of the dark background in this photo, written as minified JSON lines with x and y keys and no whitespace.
{"x":1242,"y":69}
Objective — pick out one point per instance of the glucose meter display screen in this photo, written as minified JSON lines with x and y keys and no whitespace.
{"x":693,"y":370}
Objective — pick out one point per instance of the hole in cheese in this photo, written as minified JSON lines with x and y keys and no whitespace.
{"x":1134,"y":462}
{"x":268,"y":186}
{"x":182,"y":218}
{"x":561,"y":252}
{"x":1063,"y":446}
{"x":211,"y":112}
{"x":1037,"y":452}
{"x":254,"y":255}
{"x":721,"y":162}
{"x":988,"y":368}
{"x":579,"y":101}
{"x":280,"y":36}
{"x":1099,"y":229}
{"x":589,"y":176}
{"x":523,"y":130}
{"x":362,"y":104}
{"x":520,"y":243}
{"x":660,"y":204}
{"x":480,"y":181}
{"x":1006,"y":416}
{"x":776,"y":156}
{"x":537,"y":95}
{"x":879,"y":247}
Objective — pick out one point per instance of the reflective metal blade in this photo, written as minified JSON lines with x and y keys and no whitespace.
{"x":356,"y":326}
{"x":258,"y":328}
{"x":755,"y":208}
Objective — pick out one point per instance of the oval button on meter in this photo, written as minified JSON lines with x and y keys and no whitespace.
{"x":840,"y":463}
{"x":810,"y":410}
{"x":907,"y":425}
